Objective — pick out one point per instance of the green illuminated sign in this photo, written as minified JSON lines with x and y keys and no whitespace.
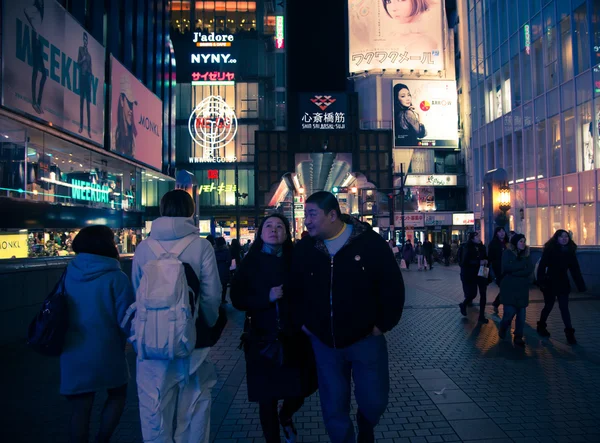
{"x":81,"y":190}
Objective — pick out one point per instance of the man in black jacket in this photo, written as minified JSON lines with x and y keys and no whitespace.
{"x":349,"y":293}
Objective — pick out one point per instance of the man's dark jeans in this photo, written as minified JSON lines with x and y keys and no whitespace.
{"x":367,"y":363}
{"x":470,"y":289}
{"x":563,"y":304}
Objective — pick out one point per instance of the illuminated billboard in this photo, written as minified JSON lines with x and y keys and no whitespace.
{"x":396,"y":34}
{"x":425,"y":114}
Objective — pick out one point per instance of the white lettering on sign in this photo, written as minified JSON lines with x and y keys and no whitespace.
{"x":212,"y":39}
{"x":431,"y":180}
{"x":212,"y":58}
{"x":213,"y":160}
{"x":212,"y":125}
{"x":463,"y":219}
{"x":89,"y":191}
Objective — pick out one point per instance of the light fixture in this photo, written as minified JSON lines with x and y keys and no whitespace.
{"x":354,"y":189}
{"x":335,"y":189}
{"x":504,"y":198}
{"x":569,"y":188}
{"x":301,"y":190}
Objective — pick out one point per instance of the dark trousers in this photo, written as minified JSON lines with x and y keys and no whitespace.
{"x":429,"y":258}
{"x":269,"y":419}
{"x":563,"y":305}
{"x":224,"y":292}
{"x":447,"y":261}
{"x":85,"y":94}
{"x":365,"y":362}
{"x":470,"y":289}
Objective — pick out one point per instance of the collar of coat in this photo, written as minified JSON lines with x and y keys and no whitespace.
{"x":512,"y":248}
{"x":358,"y":229}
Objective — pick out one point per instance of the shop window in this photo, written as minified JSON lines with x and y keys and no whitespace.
{"x":509,"y":157}
{"x":554,"y":144}
{"x":582,"y":39}
{"x":556,"y":191}
{"x":568,"y":147}
{"x":542,"y":193}
{"x":247,"y":100}
{"x":531,"y":226}
{"x":540,"y":149}
{"x":538,"y":67}
{"x":526,"y":76}
{"x":566,"y":49}
{"x":572,"y":222}
{"x":570,"y":188}
{"x":585,"y":138}
{"x":587,"y":186}
{"x":541,"y":229}
{"x":588,"y":224}
{"x":556,"y":218}
{"x":531,"y":194}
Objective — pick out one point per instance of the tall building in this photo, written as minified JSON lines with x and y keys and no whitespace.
{"x":231,"y":83}
{"x":87,"y":123}
{"x":530,"y":104}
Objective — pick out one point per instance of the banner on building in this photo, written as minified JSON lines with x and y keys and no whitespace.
{"x":136,"y":124}
{"x":52,"y":68}
{"x":425,"y":114}
{"x":323,"y":111}
{"x":396,"y":34}
{"x":410,"y":220}
{"x":463,"y":219}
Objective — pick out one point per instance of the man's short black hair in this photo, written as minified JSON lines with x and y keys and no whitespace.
{"x":97,"y":240}
{"x":325,"y":201}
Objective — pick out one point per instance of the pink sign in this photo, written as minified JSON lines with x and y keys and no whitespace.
{"x":135,"y":119}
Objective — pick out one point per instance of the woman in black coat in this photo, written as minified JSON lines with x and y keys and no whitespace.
{"x":223,"y":264}
{"x":495,"y":250}
{"x":260,"y":288}
{"x":557,"y":259}
{"x":474,"y":257}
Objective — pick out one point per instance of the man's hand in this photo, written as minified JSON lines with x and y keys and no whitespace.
{"x":376,"y":332}
{"x":276,"y":293}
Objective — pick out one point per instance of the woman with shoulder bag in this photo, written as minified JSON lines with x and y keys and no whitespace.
{"x":517,"y":269}
{"x":552,"y":276}
{"x":279,"y":359}
{"x":475,"y":258}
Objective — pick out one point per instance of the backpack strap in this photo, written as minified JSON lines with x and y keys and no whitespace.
{"x":182,"y":245}
{"x":156,"y":247}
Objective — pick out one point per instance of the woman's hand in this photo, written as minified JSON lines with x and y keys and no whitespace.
{"x":276,"y":293}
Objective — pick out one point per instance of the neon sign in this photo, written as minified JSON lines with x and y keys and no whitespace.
{"x":221,"y":188}
{"x":527,"y":40}
{"x":212,"y":125}
{"x":213,"y":78}
{"x":89,"y":191}
{"x":279,"y":32}
{"x":212,"y":58}
{"x":212,"y":39}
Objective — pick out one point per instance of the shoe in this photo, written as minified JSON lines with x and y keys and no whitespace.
{"x":518,"y":340}
{"x":570,"y":333}
{"x":463,"y":309}
{"x":289,"y":431}
{"x":502,"y":333}
{"x":80,"y":130}
{"x":483,"y":321}
{"x":89,"y":134}
{"x":541,"y":329}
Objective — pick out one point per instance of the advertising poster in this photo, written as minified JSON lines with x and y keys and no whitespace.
{"x":425,"y":114}
{"x":135,"y":118}
{"x":396,"y":34}
{"x":52,"y":68}
{"x":323,"y":112}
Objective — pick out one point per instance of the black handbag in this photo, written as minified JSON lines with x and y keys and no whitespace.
{"x":48,"y":329}
{"x":271,"y":348}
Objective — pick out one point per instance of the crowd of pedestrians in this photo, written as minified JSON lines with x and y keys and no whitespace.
{"x":316,"y":315}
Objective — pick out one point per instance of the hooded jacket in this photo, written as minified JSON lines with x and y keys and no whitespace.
{"x":517,"y":271}
{"x":99,"y":294}
{"x":200,"y":255}
{"x":341,"y":298}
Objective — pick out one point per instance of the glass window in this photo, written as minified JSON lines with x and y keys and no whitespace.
{"x":499,"y":152}
{"x":556,"y":218}
{"x":490,"y":157}
{"x":519,"y":157}
{"x":556,"y":191}
{"x":477,"y":169}
{"x":538,"y":67}
{"x":508,"y":158}
{"x":519,"y":212}
{"x":568,"y":146}
{"x":588,"y":224}
{"x":585,"y":137}
{"x":566,"y":49}
{"x":553,"y":101}
{"x":542,"y":224}
{"x":582,"y":39}
{"x":584,"y":87}
{"x":543,"y":197}
{"x":526,"y":76}
{"x":540,"y":149}
{"x":531,"y":194}
{"x":571,"y":188}
{"x":595,"y":31}
{"x":587,"y":186}
{"x":523,"y":12}
{"x":531,"y":226}
{"x":554,"y":144}
{"x":245,"y":143}
{"x":572,"y":222}
{"x":516,"y":85}
{"x":247,"y":100}
{"x":568,"y":95}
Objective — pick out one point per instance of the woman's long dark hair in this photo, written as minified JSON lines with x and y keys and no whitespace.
{"x":287,"y":246}
{"x":495,"y":237}
{"x":553,"y":242}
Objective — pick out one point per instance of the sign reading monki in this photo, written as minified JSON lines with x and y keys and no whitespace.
{"x":92,"y":192}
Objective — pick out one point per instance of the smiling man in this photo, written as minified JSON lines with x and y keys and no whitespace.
{"x":349,"y":293}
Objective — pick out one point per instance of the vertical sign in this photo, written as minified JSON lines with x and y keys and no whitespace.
{"x":279,"y":32}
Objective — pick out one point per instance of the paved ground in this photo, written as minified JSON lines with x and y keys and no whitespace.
{"x":451,"y":380}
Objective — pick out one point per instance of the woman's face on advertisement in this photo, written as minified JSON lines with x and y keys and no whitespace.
{"x":127,"y":109}
{"x":400,"y":9}
{"x":405,"y":98}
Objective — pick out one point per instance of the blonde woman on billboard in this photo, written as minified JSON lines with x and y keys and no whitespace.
{"x":126,"y":132}
{"x":408,"y":129}
{"x":409,"y":20}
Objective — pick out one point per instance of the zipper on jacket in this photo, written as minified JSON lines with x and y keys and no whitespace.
{"x":331,"y":301}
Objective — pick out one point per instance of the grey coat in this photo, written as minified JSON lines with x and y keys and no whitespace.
{"x":517,"y":273}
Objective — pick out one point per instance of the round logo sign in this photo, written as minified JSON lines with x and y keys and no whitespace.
{"x":212,"y":124}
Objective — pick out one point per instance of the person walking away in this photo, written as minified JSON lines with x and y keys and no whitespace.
{"x":223,"y":263}
{"x":428,"y":253}
{"x":558,"y":257}
{"x":236,"y":254}
{"x":260,"y":288}
{"x":93,"y":358}
{"x":179,"y":390}
{"x":351,"y":292}
{"x":514,"y":289}
{"x":473,"y":257}
{"x":447,"y":253}
{"x":419,"y":254}
{"x":497,"y":247}
{"x":408,"y":253}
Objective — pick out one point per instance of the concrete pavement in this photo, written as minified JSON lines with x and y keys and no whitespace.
{"x":451,"y":380}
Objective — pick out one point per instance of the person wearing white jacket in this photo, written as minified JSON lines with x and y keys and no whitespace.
{"x":181,"y":386}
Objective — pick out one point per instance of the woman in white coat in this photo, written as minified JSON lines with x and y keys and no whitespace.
{"x":181,"y":385}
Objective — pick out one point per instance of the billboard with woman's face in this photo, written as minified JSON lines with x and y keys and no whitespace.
{"x":425,"y":114}
{"x":396,"y":34}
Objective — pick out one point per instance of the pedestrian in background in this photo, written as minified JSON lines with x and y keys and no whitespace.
{"x":408,"y":253}
{"x":419,"y":254}
{"x":497,"y":247}
{"x":237,"y":254}
{"x":559,"y":257}
{"x":428,"y":253}
{"x":351,"y":292}
{"x":178,"y":392}
{"x":447,"y":253}
{"x":261,"y":288}
{"x":223,"y":257}
{"x":517,"y":268}
{"x":474,"y":256}
{"x":93,"y":358}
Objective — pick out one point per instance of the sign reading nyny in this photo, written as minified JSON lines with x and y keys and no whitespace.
{"x":323,"y":112}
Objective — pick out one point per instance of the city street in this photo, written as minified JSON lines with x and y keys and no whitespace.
{"x":451,"y":379}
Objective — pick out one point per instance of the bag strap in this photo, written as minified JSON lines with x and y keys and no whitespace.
{"x":182,"y":245}
{"x":278,"y":317}
{"x":156,"y":247}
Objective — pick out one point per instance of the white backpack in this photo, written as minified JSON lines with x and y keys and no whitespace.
{"x":164,"y":325}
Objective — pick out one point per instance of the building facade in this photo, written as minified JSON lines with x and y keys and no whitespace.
{"x":531,"y":105}
{"x":232,"y":51}
{"x":87,"y":121}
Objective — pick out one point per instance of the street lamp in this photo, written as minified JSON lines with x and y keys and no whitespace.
{"x":503,"y":204}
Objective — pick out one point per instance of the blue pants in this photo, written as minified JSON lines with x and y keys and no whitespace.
{"x":509,"y":314}
{"x":367,"y":363}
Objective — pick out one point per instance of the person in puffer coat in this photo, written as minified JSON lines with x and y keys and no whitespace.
{"x":517,"y":268}
{"x":179,"y":390}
